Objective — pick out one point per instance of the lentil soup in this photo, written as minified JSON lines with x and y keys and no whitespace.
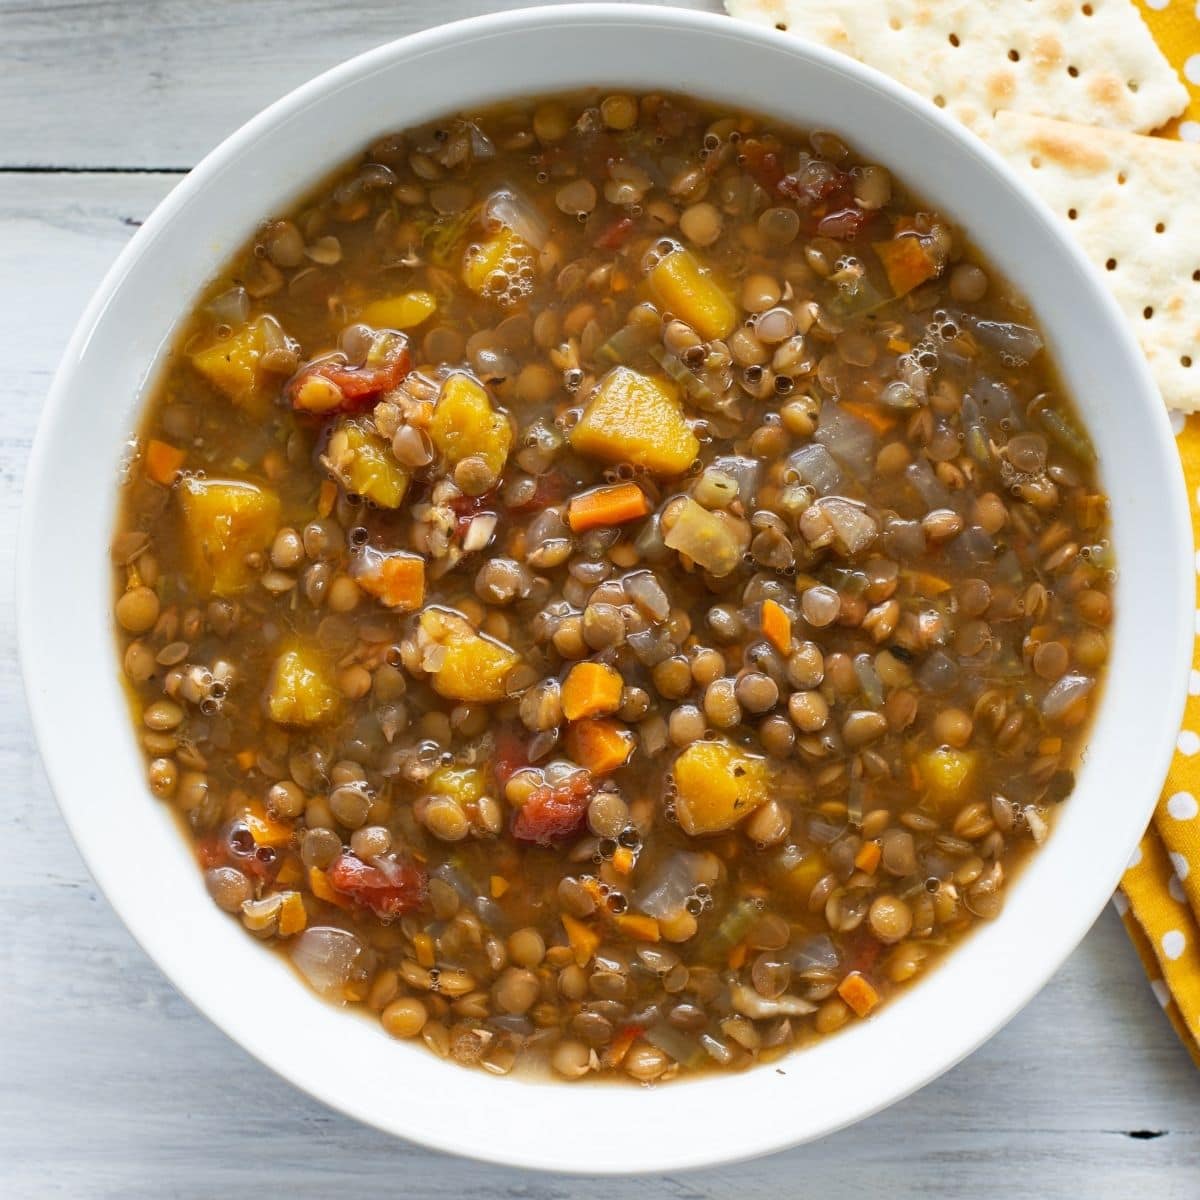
{"x":611,"y":584}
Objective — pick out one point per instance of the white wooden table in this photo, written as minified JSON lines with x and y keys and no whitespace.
{"x":110,"y":1084}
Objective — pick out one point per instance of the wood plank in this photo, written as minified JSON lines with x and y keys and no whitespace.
{"x":160,"y":82}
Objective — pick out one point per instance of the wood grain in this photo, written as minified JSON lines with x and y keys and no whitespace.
{"x":110,"y":1084}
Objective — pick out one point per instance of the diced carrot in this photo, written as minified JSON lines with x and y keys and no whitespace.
{"x":868,"y":856}
{"x":245,"y":759}
{"x":326,"y":498}
{"x":858,"y":992}
{"x":265,"y":830}
{"x":291,"y":874}
{"x":319,"y":885}
{"x":926,"y":583}
{"x":584,"y":940}
{"x":600,"y":745}
{"x":423,"y":949}
{"x":397,"y":579}
{"x":292,"y":917}
{"x":607,"y":506}
{"x":620,"y":1045}
{"x":737,"y":956}
{"x":777,"y":626}
{"x":1050,"y":745}
{"x":637,"y":926}
{"x":878,"y":419}
{"x":500,"y":885}
{"x":907,"y":263}
{"x":623,"y":860}
{"x":591,"y":689}
{"x":164,"y":461}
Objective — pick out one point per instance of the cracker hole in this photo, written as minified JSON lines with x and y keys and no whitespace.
{"x":1072,"y":214}
{"x":1111,"y":265}
{"x":781,"y":26}
{"x":1035,"y":162}
{"x":1132,"y":85}
{"x":954,"y":40}
{"x":1122,"y":178}
{"x":1087,"y":10}
{"x":1196,"y":276}
{"x":1014,"y":56}
{"x":1160,"y":228}
{"x":1073,"y":72}
{"x":1186,"y":361}
{"x":940,"y":101}
{"x":896,"y":24}
{"x":1147,"y":313}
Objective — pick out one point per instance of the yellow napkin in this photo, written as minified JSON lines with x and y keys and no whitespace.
{"x":1160,"y":892}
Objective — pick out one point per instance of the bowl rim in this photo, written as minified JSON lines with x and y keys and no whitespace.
{"x":1155,"y":752}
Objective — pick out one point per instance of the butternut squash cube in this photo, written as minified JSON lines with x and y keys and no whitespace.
{"x":404,"y":311}
{"x":364,"y":463}
{"x":484,"y":260}
{"x":716,"y":785}
{"x":690,"y":292}
{"x":465,"y":423}
{"x":638,"y":419}
{"x":946,"y":773}
{"x":224,"y":520}
{"x":465,"y":785}
{"x":394,"y":577}
{"x":301,"y":691}
{"x":468,"y":666}
{"x":234,"y":366}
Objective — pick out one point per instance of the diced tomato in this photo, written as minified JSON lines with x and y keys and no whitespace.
{"x":616,"y":235}
{"x":389,"y":889}
{"x":843,"y":223}
{"x":552,"y":813}
{"x":359,"y":385}
{"x":508,"y":757}
{"x":816,"y":180}
{"x":862,"y":954}
{"x":551,"y":488}
{"x":210,"y":852}
{"x":763,"y":163}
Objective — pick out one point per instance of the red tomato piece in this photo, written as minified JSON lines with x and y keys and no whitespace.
{"x":359,"y":385}
{"x":552,"y":813}
{"x":508,"y":757}
{"x":616,"y":235}
{"x":389,"y":889}
{"x":551,"y":488}
{"x":763,"y":163}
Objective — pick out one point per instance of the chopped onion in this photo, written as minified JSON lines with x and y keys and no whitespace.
{"x":747,"y":472}
{"x":749,"y":1003}
{"x":479,"y":532}
{"x":664,"y":893}
{"x":326,"y":957}
{"x":854,"y":527}
{"x":515,"y":212}
{"x":995,"y":399}
{"x":926,"y":484}
{"x":850,"y":440}
{"x":677,"y":1045}
{"x":231,"y":307}
{"x":817,"y":953}
{"x":1064,"y":693}
{"x":1018,"y":342}
{"x":715,"y":541}
{"x":815,"y":466}
{"x":938,"y":673}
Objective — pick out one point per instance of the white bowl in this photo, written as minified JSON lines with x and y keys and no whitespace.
{"x":130,"y":841}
